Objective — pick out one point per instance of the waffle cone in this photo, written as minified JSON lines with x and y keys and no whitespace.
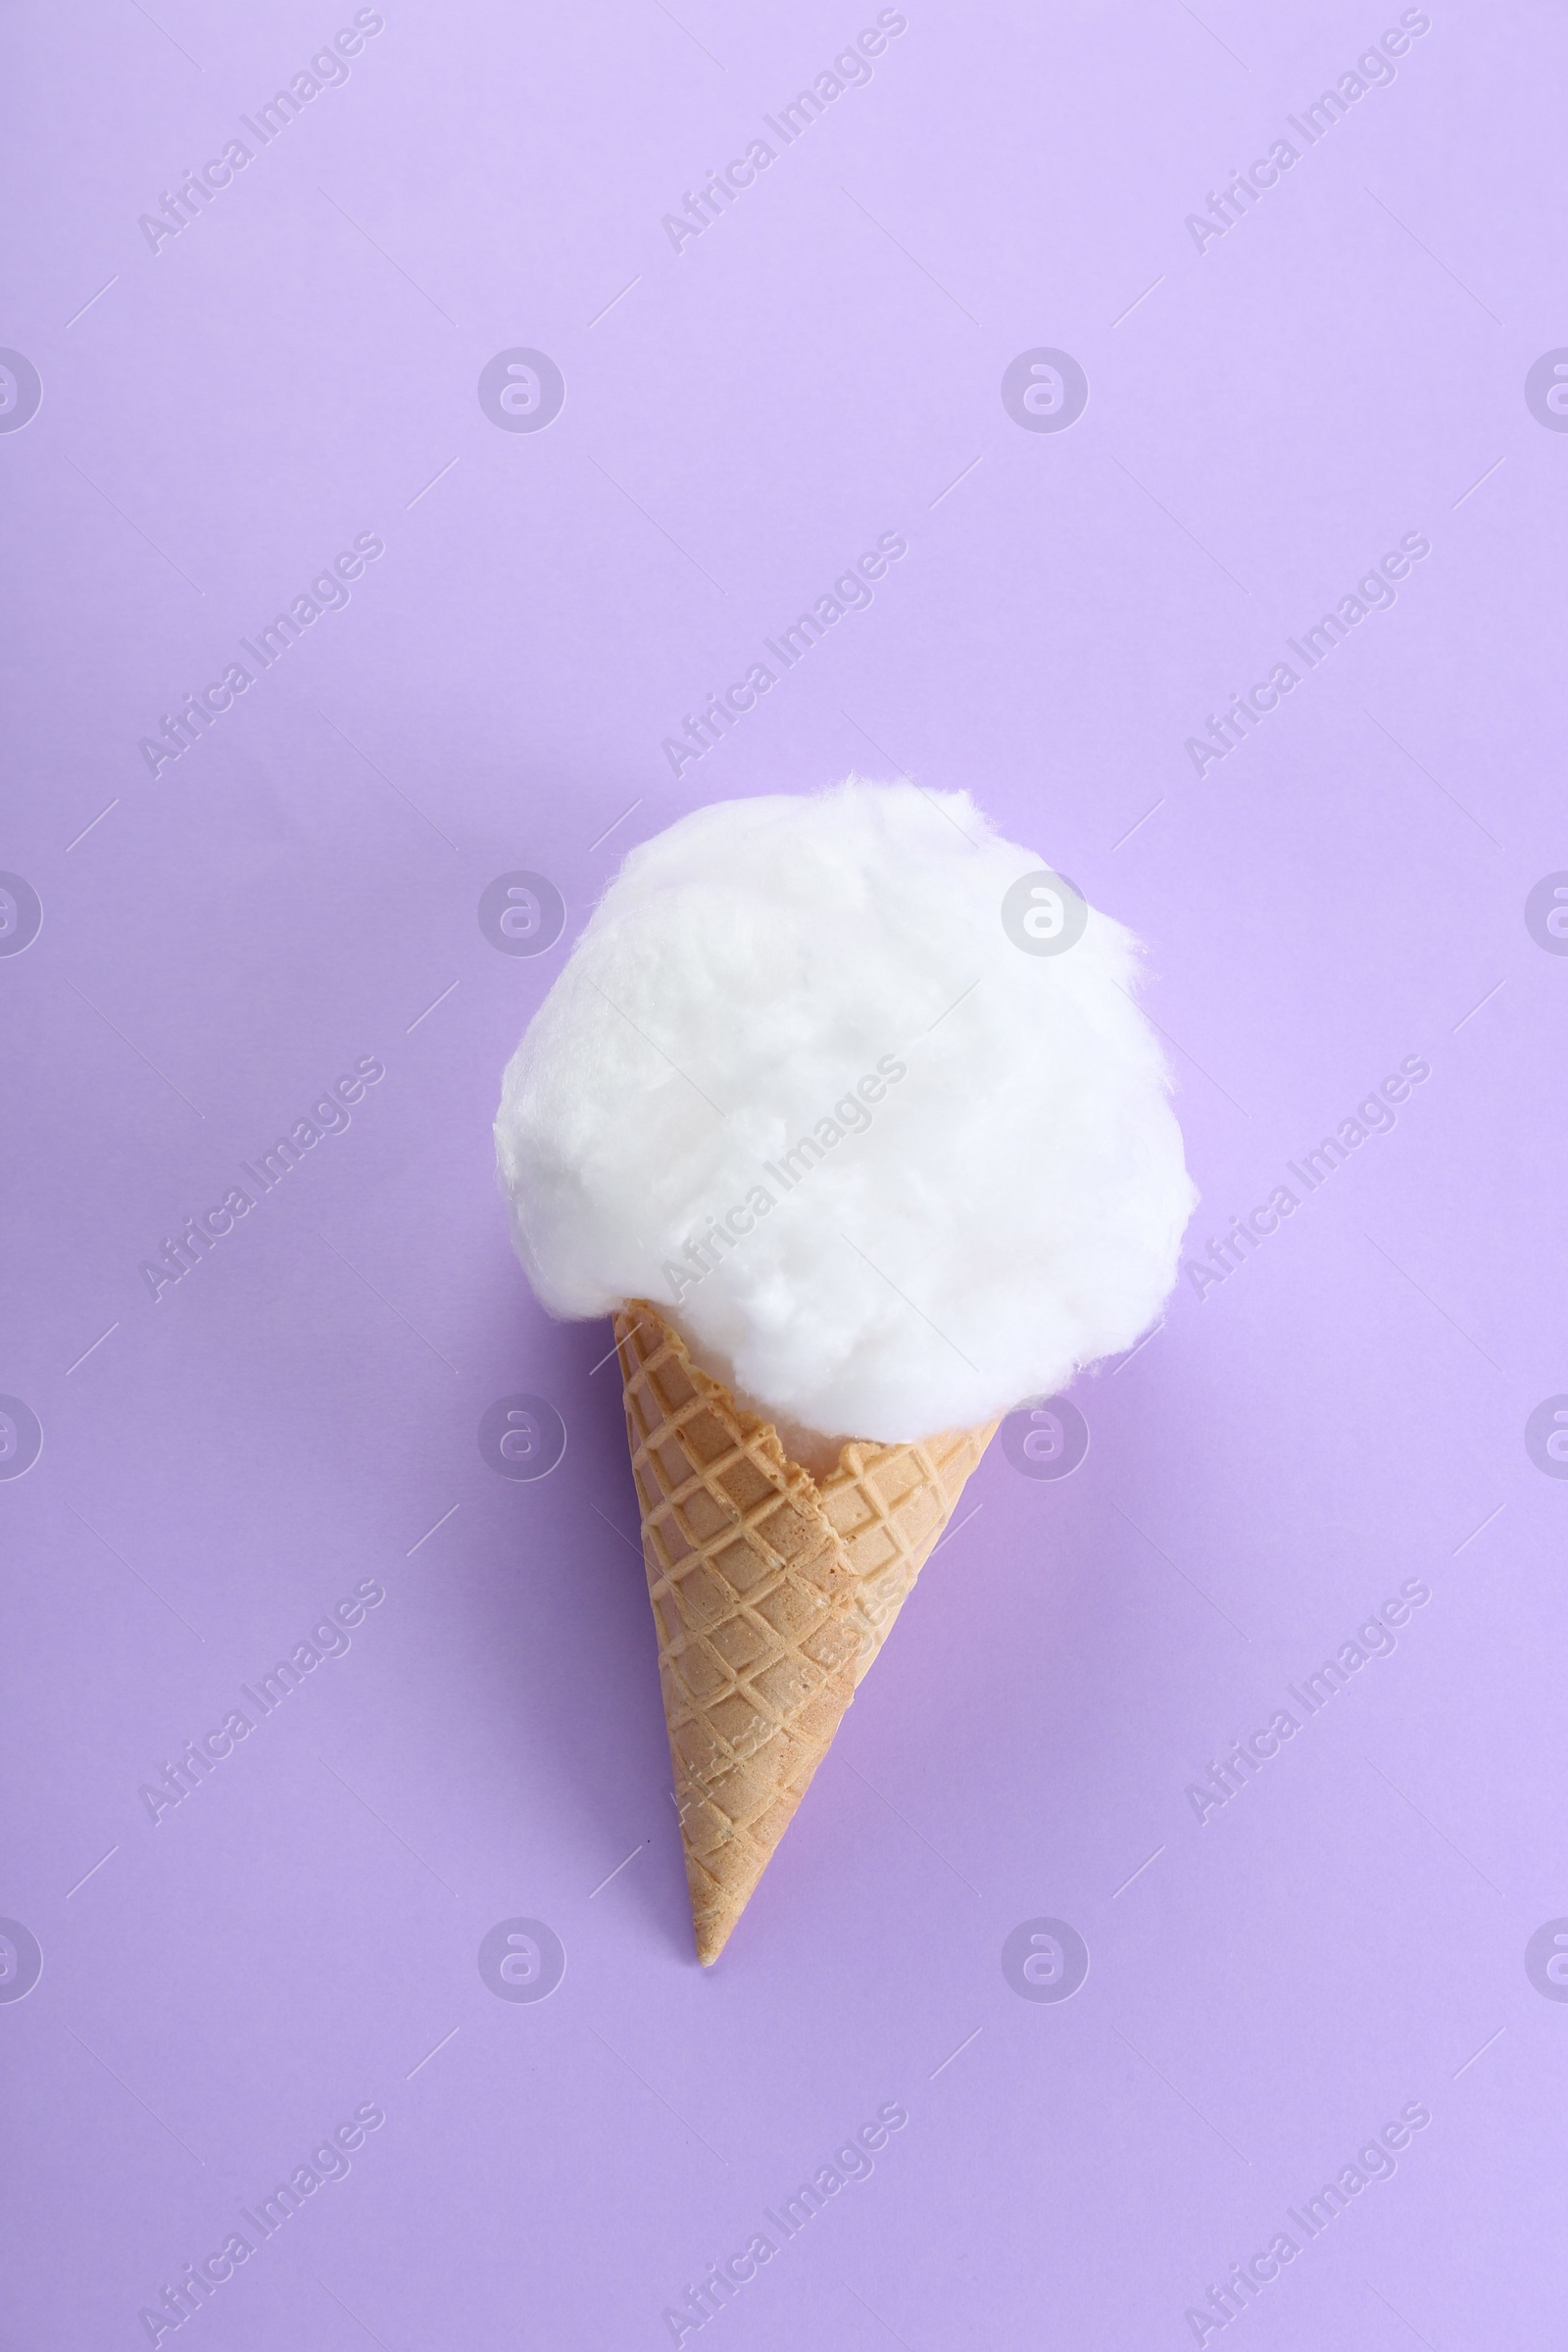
{"x":772,"y":1594}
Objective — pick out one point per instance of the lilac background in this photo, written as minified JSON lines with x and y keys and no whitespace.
{"x":1345,"y":1413}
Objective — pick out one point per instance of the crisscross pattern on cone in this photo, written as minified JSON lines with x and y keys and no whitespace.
{"x":772,"y":1595}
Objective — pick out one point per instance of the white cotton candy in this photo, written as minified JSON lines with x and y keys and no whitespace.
{"x":893,"y":1170}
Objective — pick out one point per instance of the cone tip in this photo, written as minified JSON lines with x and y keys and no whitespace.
{"x":711,"y":1938}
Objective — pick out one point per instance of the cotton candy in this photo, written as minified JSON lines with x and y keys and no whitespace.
{"x":895,"y":1150}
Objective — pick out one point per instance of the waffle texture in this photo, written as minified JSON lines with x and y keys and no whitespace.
{"x":772,"y":1594}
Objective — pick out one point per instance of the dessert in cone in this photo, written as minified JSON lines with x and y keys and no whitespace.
{"x":859,"y":1094}
{"x":772,"y":1593}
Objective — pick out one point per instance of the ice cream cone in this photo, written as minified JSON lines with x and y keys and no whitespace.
{"x":772,"y":1593}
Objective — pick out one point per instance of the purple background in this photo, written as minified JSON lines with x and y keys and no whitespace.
{"x":1345,"y":1413}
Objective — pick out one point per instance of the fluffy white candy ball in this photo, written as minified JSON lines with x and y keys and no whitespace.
{"x":870,"y":1109}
